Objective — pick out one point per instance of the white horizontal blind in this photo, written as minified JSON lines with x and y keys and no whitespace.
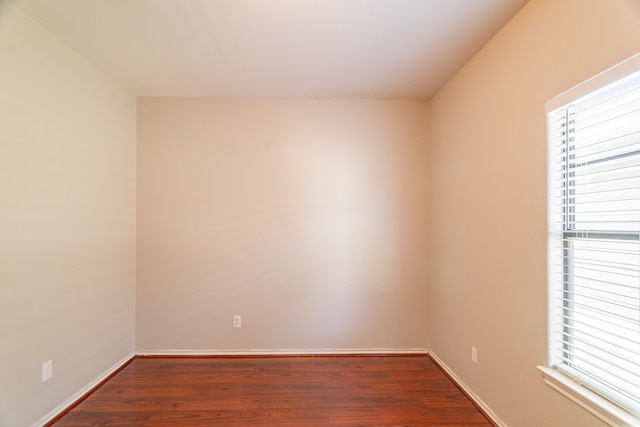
{"x":594,"y":197}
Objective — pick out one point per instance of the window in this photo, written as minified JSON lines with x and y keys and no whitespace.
{"x":594,"y":239}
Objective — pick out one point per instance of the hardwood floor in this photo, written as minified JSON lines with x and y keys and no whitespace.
{"x":282,"y":391}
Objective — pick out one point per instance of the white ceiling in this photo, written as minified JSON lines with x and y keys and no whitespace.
{"x":276,"y":48}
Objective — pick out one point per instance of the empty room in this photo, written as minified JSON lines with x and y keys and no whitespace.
{"x":320,"y":212}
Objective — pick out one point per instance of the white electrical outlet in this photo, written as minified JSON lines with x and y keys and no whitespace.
{"x":47,"y":370}
{"x":474,"y":355}
{"x":237,"y":321}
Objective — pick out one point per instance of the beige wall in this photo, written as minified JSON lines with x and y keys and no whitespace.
{"x":488,"y":199}
{"x":308,"y":218}
{"x":67,"y":220}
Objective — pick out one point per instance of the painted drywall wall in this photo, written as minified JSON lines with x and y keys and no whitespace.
{"x":488,"y":199}
{"x":67,"y":220}
{"x":305,"y":217}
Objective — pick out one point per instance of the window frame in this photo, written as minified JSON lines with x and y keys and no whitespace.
{"x":559,"y":380}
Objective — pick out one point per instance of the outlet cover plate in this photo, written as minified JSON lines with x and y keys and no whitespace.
{"x":47,"y":370}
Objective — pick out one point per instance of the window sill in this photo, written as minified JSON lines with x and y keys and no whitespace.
{"x":601,"y":408}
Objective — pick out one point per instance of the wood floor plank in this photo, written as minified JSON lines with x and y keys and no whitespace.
{"x":282,"y":391}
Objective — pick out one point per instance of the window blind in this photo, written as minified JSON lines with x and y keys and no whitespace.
{"x":594,"y":247}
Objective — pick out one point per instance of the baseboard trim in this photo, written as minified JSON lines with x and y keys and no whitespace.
{"x":85,"y":392}
{"x":285,"y":352}
{"x":483,"y":407}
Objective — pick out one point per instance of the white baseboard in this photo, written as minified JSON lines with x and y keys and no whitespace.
{"x":81,"y":393}
{"x":283,"y":352}
{"x":487,"y":410}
